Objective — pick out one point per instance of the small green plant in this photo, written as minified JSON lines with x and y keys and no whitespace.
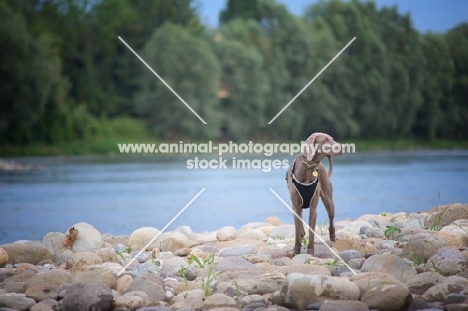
{"x":436,"y":226}
{"x":323,"y":229}
{"x":391,"y":232}
{"x":182,"y":272}
{"x":121,"y":255}
{"x":238,"y":298}
{"x":211,"y":276}
{"x":304,"y":241}
{"x":436,"y":267}
{"x":416,"y":259}
{"x":383,"y":214}
{"x":278,"y":237}
{"x":201,"y":262}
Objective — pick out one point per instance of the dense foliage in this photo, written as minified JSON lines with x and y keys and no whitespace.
{"x":63,"y":69}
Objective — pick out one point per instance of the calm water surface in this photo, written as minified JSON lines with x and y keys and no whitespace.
{"x":120,"y":194}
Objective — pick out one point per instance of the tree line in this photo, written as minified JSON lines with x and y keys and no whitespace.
{"x":64,"y":71}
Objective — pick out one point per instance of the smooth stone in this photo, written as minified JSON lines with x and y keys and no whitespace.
{"x":252,"y":235}
{"x":27,"y":252}
{"x":51,"y":279}
{"x":284,"y":231}
{"x":81,"y":259}
{"x":172,"y":241}
{"x":87,"y":296}
{"x":226,"y":234}
{"x":446,"y":214}
{"x":108,"y":255}
{"x":304,"y":269}
{"x":349,"y":254}
{"x":300,"y":290}
{"x":353,"y":244}
{"x":448,"y":261}
{"x":273,"y":220}
{"x":3,"y":257}
{"x":373,"y":232}
{"x":241,"y":250}
{"x":192,"y":299}
{"x":420,"y":283}
{"x":46,"y":305}
{"x":53,"y":241}
{"x":388,"y":297}
{"x":12,"y":287}
{"x":88,"y":238}
{"x":367,"y":280}
{"x":98,"y":275}
{"x":16,"y":301}
{"x":451,"y":285}
{"x":235,"y":264}
{"x":123,"y":283}
{"x":142,"y":236}
{"x":218,"y":300}
{"x":153,"y":289}
{"x":343,"y":305}
{"x":391,"y":264}
{"x":421,"y":246}
{"x":172,"y":266}
{"x":39,"y":293}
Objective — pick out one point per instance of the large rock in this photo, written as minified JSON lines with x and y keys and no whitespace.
{"x":88,"y":238}
{"x":172,"y":241}
{"x":343,"y":305}
{"x":420,"y":283}
{"x":390,"y":264}
{"x":3,"y":257}
{"x":172,"y":266}
{"x":96,"y":276}
{"x":304,"y":269}
{"x":140,"y":238}
{"x":226,"y":234}
{"x":448,"y":261}
{"x":367,"y":280}
{"x":300,"y":290}
{"x":358,"y":245}
{"x":46,"y":305}
{"x":219,"y":301}
{"x":39,"y":293}
{"x":235,"y":264}
{"x":252,"y":283}
{"x":133,"y":301}
{"x":153,"y":289}
{"x":421,"y":246}
{"x":87,"y":296}
{"x":53,"y":241}
{"x":451,"y":285}
{"x":252,"y":235}
{"x":190,"y":300}
{"x":388,"y":297}
{"x":16,"y":302}
{"x":27,"y":252}
{"x":241,"y":250}
{"x":51,"y":279}
{"x":446,"y":214}
{"x":76,"y":260}
{"x":283,"y":232}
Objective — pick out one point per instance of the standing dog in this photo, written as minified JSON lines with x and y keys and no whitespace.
{"x":308,"y":180}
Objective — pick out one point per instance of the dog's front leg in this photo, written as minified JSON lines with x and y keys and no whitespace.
{"x":299,"y":230}
{"x":312,"y":222}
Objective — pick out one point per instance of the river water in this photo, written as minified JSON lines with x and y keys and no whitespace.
{"x":120,"y":194}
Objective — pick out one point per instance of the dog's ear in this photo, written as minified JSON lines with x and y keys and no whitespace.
{"x":315,"y":143}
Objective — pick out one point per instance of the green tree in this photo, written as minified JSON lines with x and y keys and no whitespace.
{"x":435,"y":115}
{"x":27,"y":69}
{"x":243,"y":9}
{"x":241,"y":89}
{"x":457,"y":40}
{"x":189,"y":66}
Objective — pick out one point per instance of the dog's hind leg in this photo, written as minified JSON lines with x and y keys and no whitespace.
{"x":326,"y":194}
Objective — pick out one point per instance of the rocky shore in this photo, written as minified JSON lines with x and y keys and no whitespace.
{"x":416,"y":261}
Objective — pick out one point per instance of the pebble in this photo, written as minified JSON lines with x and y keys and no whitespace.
{"x":250,"y":267}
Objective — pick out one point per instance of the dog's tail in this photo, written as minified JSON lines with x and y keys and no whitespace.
{"x":330,"y":169}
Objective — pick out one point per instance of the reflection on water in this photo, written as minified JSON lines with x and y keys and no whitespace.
{"x":120,"y":194}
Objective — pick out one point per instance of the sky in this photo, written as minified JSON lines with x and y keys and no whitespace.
{"x":427,"y":15}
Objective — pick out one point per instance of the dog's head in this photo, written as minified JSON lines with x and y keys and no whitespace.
{"x":319,"y":145}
